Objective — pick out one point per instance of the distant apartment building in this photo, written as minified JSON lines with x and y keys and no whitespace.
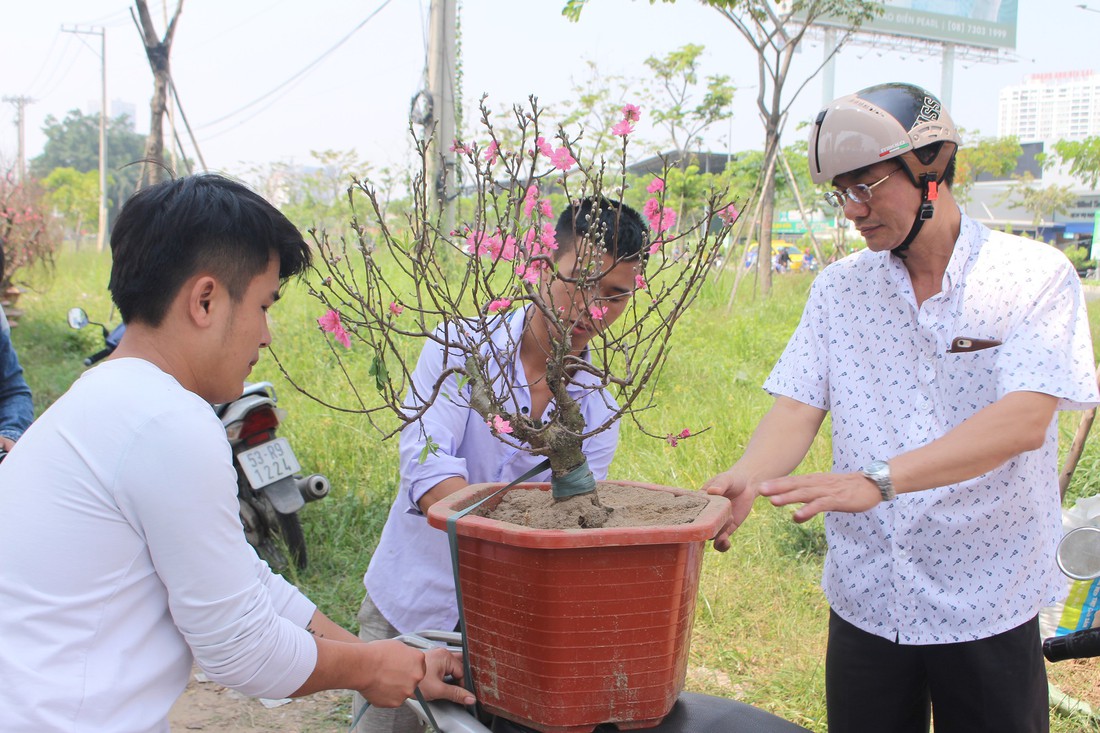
{"x":1050,"y":107}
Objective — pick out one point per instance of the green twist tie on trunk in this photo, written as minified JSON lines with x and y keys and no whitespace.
{"x":578,"y":481}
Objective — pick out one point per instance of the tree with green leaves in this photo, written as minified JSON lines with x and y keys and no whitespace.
{"x":74,"y":143}
{"x":313,"y":196}
{"x":1042,"y":202}
{"x":1083,"y":157}
{"x":74,"y":198}
{"x":678,"y":105}
{"x":775,"y":29}
{"x":595,"y":104}
{"x":994,"y":155}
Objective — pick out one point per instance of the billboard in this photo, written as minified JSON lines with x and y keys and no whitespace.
{"x":980,"y":23}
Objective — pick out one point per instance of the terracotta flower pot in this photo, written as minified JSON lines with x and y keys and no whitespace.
{"x":568,"y":629}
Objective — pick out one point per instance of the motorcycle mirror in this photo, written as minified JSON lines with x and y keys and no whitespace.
{"x":77,"y":318}
{"x":1079,"y":553}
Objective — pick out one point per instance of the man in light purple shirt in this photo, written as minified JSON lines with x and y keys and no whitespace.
{"x":409,"y":582}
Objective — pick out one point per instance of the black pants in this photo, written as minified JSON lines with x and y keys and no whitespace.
{"x":874,"y":685}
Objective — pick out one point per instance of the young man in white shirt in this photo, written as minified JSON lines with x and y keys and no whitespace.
{"x":123,"y":558}
{"x":943,"y":353}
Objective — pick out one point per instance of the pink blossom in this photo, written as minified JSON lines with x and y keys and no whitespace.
{"x":498,"y":424}
{"x":672,"y":440}
{"x":529,"y":271}
{"x":330,"y":323}
{"x":622,"y":128}
{"x":491,"y":152}
{"x":458,"y":147}
{"x":549,"y":237}
{"x":501,"y":304}
{"x":656,"y":247}
{"x":728,"y":215}
{"x":597,"y":311}
{"x":656,"y":186}
{"x":660,"y":221}
{"x":503,"y":250}
{"x":631,"y":113}
{"x":476,"y":243}
{"x":562,"y":160}
{"x":685,"y":433}
{"x":544,"y":147}
{"x":639,"y":282}
{"x":530,"y":199}
{"x":396,"y":308}
{"x":481,"y":244}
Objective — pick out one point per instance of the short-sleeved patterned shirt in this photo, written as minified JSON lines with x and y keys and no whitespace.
{"x":969,"y":560}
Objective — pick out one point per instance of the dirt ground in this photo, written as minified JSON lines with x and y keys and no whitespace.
{"x":206,"y":706}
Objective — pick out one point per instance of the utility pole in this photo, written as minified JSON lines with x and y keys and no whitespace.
{"x":21,"y":124}
{"x":102,"y":33}
{"x":441,"y":81}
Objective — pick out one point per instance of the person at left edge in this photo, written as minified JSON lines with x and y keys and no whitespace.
{"x":122,"y":558}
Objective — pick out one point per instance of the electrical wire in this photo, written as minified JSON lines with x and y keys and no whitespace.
{"x":286,"y":85}
{"x":56,"y":80}
{"x":45,"y":62}
{"x":265,"y":10}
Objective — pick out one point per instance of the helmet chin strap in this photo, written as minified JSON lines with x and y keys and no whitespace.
{"x":929,"y":195}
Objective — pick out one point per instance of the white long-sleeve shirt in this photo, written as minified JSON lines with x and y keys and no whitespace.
{"x":410,"y":578}
{"x":123,"y":557}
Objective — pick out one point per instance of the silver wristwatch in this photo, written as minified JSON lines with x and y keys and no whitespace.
{"x":879,"y":472}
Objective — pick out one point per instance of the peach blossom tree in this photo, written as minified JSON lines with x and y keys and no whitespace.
{"x":395,"y":284}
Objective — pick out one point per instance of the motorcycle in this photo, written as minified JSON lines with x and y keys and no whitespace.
{"x":691,"y":712}
{"x":270,"y":487}
{"x":1078,"y":558}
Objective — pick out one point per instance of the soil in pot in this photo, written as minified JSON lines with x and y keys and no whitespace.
{"x":612,"y":505}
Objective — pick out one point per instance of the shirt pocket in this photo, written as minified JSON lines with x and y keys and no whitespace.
{"x":969,"y":381}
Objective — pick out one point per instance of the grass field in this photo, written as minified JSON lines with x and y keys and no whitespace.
{"x":760,"y":625}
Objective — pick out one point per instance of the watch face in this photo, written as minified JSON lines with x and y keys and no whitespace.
{"x":879,"y":468}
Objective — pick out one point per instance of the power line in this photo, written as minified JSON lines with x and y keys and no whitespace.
{"x":70,"y":53}
{"x":46,"y":61}
{"x":300,"y":73}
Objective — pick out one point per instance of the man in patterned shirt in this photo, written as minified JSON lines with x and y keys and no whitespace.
{"x":943,"y":352}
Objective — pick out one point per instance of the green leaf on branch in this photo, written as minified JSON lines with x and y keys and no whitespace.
{"x":430,"y":447}
{"x":380,"y":373}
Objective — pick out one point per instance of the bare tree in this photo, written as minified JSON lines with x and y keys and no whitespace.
{"x":400,"y":283}
{"x":775,"y":31}
{"x":157,"y":51}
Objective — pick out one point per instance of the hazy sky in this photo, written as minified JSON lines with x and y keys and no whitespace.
{"x":228,"y":53}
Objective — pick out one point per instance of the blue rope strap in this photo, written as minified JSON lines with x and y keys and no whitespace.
{"x":452,"y":539}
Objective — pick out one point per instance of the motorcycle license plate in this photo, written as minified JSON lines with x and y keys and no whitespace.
{"x":268,"y":462}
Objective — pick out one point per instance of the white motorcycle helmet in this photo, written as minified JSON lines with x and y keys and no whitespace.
{"x":884,"y":122}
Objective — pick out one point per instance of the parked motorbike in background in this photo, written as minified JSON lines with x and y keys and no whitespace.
{"x":1079,"y":559}
{"x":270,"y":487}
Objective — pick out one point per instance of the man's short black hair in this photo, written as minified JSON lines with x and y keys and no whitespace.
{"x":613,"y":225}
{"x":206,"y":223}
